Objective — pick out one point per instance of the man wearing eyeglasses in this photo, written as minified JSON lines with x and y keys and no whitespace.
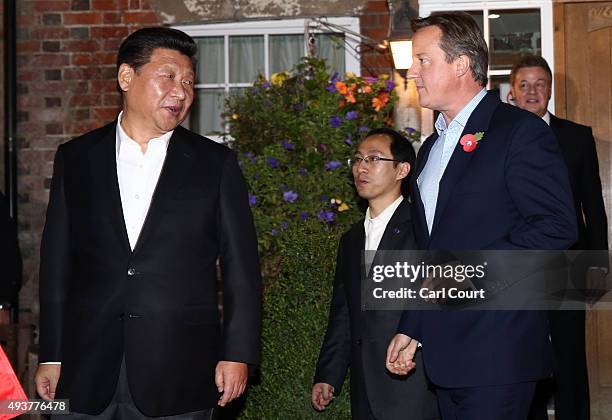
{"x":531,"y":81}
{"x":358,"y":339}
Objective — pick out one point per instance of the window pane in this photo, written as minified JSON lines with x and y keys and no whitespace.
{"x":501,"y":84}
{"x":513,"y":33}
{"x":330,"y":47}
{"x":285,"y":51}
{"x":206,"y":111}
{"x":246,"y":58}
{"x":211,"y":59}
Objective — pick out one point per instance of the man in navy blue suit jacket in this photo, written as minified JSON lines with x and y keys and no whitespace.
{"x":503,"y":188}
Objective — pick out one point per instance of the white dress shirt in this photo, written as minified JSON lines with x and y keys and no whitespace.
{"x":546,"y":117}
{"x":440,"y":154}
{"x":375,"y":227}
{"x":138,"y":174}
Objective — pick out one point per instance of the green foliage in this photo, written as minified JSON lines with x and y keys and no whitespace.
{"x":294,"y":135}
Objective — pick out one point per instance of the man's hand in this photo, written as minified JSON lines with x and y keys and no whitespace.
{"x":46,"y":380}
{"x":400,"y":354}
{"x":322,"y":394}
{"x":231,"y":379}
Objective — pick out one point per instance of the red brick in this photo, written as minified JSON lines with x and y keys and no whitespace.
{"x":50,"y":60}
{"x":112,"y":99}
{"x":369,"y":21}
{"x":111,"y":44}
{"x":112,"y":18}
{"x":28,"y":46}
{"x":90,"y":45}
{"x":109,"y":32}
{"x":24,"y":20}
{"x":134,"y":4}
{"x":109,"y":4}
{"x":81,"y":59}
{"x":85,"y":100}
{"x":140,"y":18}
{"x":82,"y":18}
{"x":30,"y":75}
{"x":51,"y":6}
{"x":81,"y":127}
{"x":81,"y":73}
{"x":105,"y":114}
{"x":103,"y":86}
{"x":377,"y":34}
{"x":105,"y":58}
{"x":49,"y":33}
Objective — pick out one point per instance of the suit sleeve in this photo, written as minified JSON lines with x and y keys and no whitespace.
{"x":591,"y":196}
{"x":538,"y":182}
{"x":54,"y":267}
{"x":239,"y":260}
{"x":335,"y":354}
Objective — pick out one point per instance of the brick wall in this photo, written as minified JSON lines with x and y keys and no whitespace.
{"x":374,"y":23}
{"x":66,"y":86}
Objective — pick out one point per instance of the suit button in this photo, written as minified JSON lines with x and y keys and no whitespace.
{"x":134,"y":316}
{"x":131,"y":271}
{"x":358,"y":341}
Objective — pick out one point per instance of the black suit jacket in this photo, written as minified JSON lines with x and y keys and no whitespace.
{"x":10,"y":257}
{"x":157,"y":305}
{"x":359,"y":339}
{"x":580,"y":154}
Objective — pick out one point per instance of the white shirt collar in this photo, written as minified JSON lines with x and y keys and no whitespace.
{"x":463,"y":115}
{"x":386,"y":214}
{"x":124,"y":139}
{"x":546,"y":117}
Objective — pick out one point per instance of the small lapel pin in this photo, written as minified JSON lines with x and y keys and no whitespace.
{"x":396,"y":231}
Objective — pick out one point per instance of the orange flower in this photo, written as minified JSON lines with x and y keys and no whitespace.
{"x":341,"y":104}
{"x":350,"y":98}
{"x":379,"y":102}
{"x":341,"y":88}
{"x":367,"y":89}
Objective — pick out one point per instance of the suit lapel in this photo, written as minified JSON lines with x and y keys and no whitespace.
{"x":460,"y":159}
{"x":177,"y":164}
{"x":397,"y":228}
{"x":103,"y":167}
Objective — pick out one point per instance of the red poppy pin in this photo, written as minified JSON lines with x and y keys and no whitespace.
{"x":470,"y":141}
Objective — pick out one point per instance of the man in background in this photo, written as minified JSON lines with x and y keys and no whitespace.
{"x":531,"y":87}
{"x":140,"y":210}
{"x":358,"y":339}
{"x":10,"y":262}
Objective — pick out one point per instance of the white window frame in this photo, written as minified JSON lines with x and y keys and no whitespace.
{"x":426,"y":7}
{"x":266,"y":28}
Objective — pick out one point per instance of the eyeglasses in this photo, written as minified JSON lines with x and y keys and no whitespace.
{"x":373,"y":160}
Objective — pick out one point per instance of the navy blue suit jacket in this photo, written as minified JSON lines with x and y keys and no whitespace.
{"x":511,"y":192}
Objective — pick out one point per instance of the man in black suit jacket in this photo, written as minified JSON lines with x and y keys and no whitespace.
{"x":531,"y":83}
{"x":139,"y":212}
{"x":356,"y":338}
{"x":489,"y":178}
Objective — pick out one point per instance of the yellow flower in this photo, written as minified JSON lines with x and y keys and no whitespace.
{"x":343,"y":207}
{"x":349,"y":75}
{"x":383,"y":76}
{"x":235,"y":116}
{"x":278,"y":79}
{"x":338,"y":200}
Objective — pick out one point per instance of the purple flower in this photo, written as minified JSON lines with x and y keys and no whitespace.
{"x":265,"y":85}
{"x":334,"y":77}
{"x":351,"y":115}
{"x":274,"y":232}
{"x":290,"y":196}
{"x":302,"y":171}
{"x":288,"y":145}
{"x":250,"y":155}
{"x":335,"y":121}
{"x":322,"y":147}
{"x":331,"y":88}
{"x":298,"y":107}
{"x":273,"y":162}
{"x":390,"y":85}
{"x":331,"y":165}
{"x":326,"y":215}
{"x":370,"y":79}
{"x":410,"y":130}
{"x":323,"y":198}
{"x":252,"y":200}
{"x":349,"y":140}
{"x":304,"y":215}
{"x":364,"y":129}
{"x":284,"y":225}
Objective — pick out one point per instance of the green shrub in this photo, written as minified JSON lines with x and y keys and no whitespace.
{"x":294,"y":134}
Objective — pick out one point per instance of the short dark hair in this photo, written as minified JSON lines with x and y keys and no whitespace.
{"x":401,"y":149}
{"x":137,"y":48}
{"x":530,"y":60}
{"x":460,"y":36}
